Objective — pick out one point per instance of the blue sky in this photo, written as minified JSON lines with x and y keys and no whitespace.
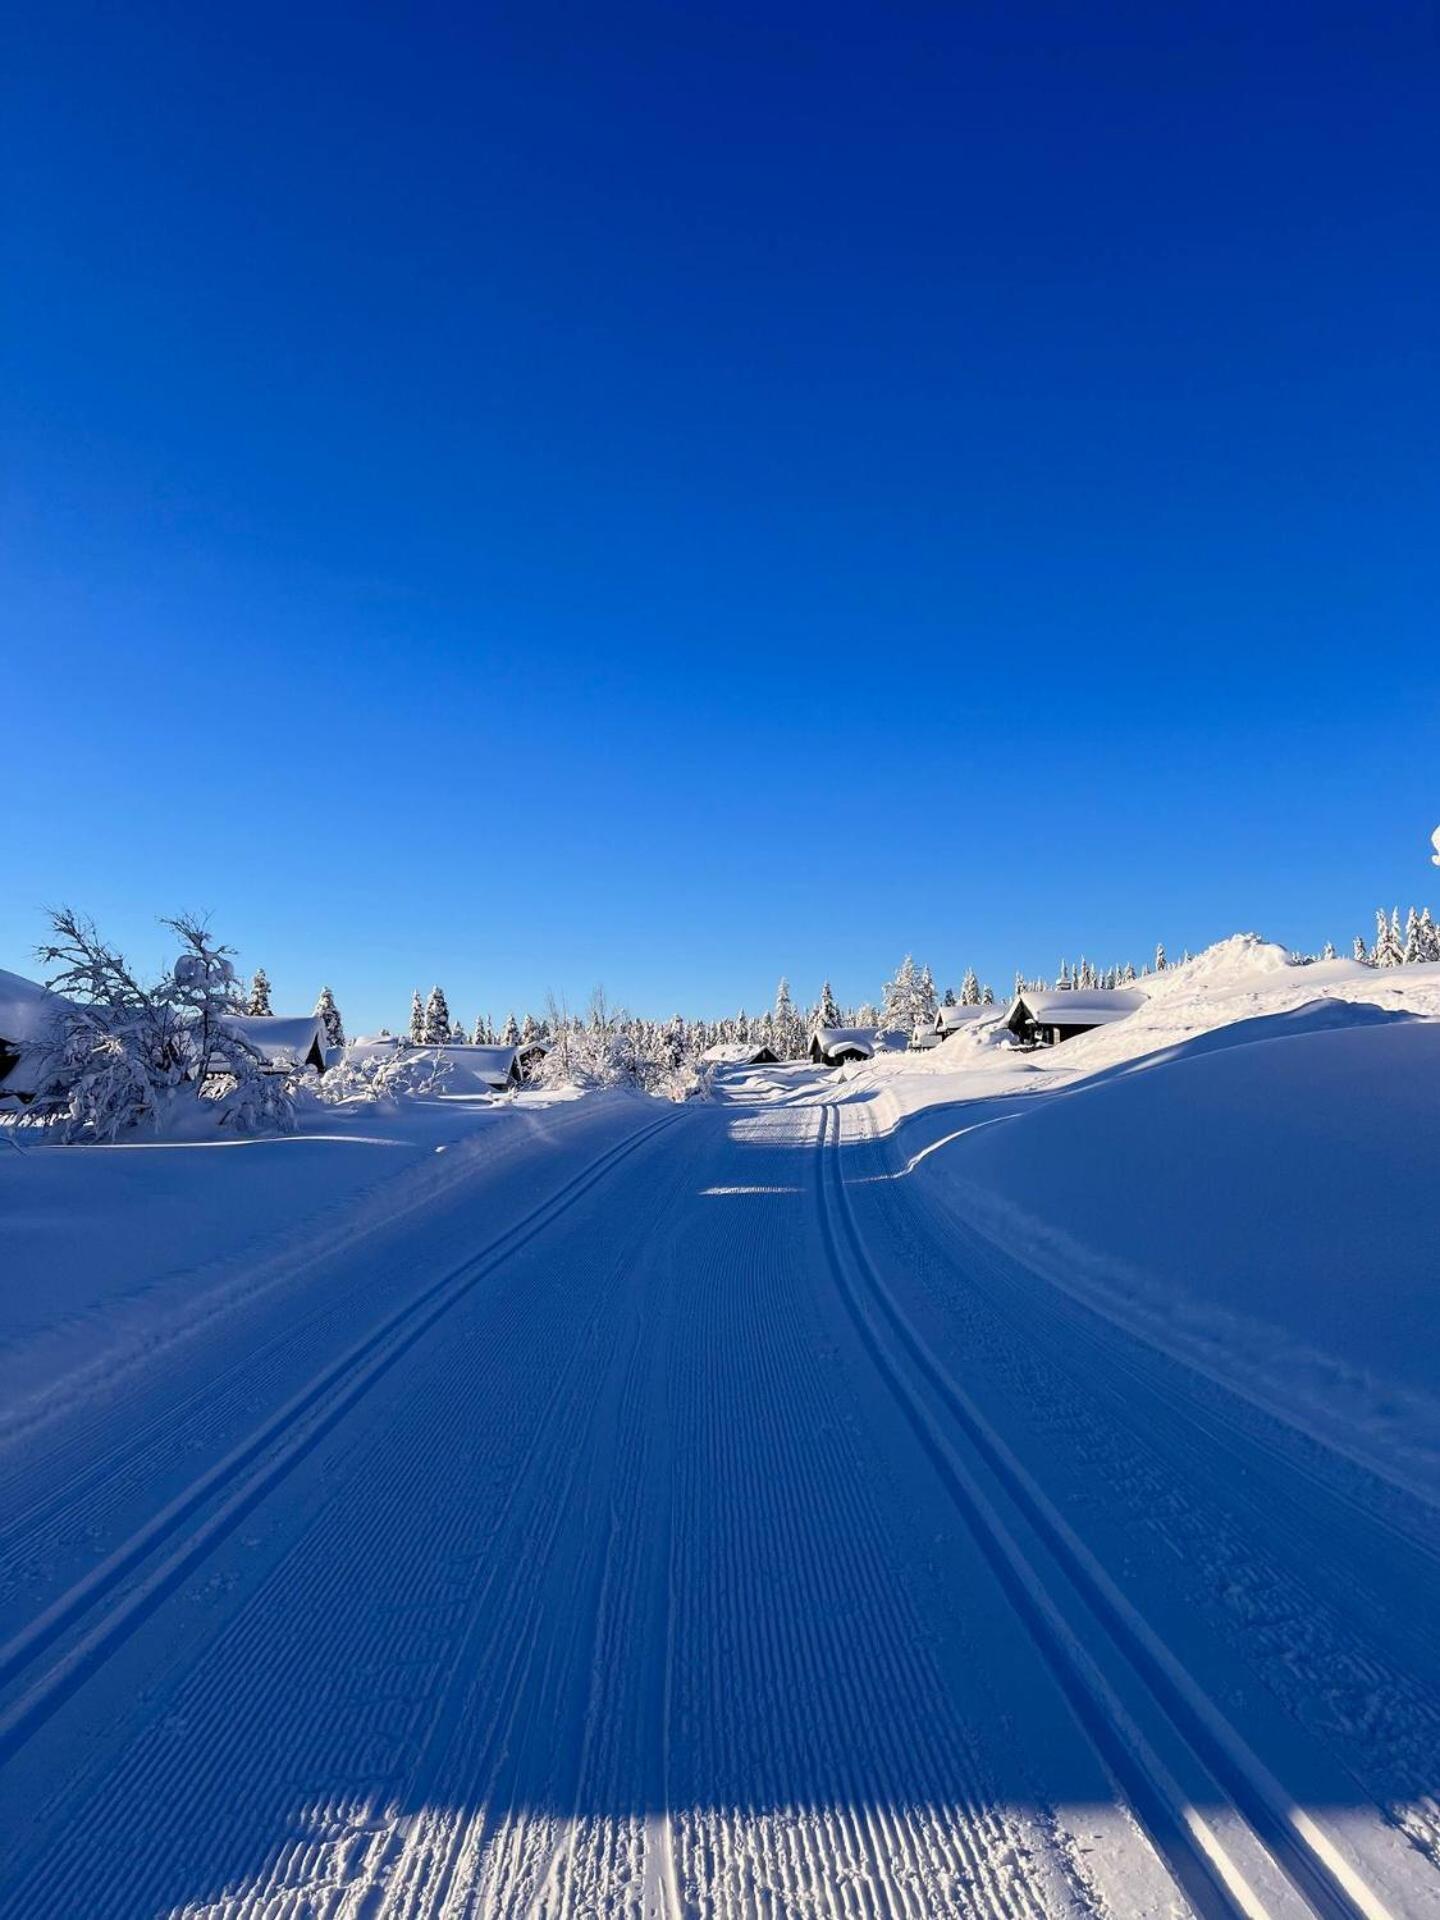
{"x":534,"y":495}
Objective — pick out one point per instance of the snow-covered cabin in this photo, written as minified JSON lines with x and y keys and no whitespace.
{"x":1045,"y":1019}
{"x":950,"y":1020}
{"x":283,"y":1041}
{"x":739,"y":1053}
{"x":833,"y":1046}
{"x":530,"y":1053}
{"x":471,"y":1068}
{"x":29,"y":1017}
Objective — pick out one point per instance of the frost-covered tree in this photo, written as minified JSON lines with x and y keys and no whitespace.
{"x":417,"y":1020}
{"x":1429,"y":937}
{"x":530,"y":1034}
{"x":901,"y":1007}
{"x":827,"y":1014}
{"x":437,"y":1019}
{"x":948,"y":999}
{"x":259,"y":1001}
{"x":328,"y":1015}
{"x":987,"y":995}
{"x":1327,"y":952}
{"x":1160,"y":961}
{"x":788,"y":1032}
{"x":510,"y":1037}
{"x":1361,"y":951}
{"x":124,"y":1054}
{"x":925,"y":1000}
{"x":970,"y":989}
{"x":1389,"y":947}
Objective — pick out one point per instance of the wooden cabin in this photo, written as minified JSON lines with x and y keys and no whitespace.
{"x":1045,"y":1019}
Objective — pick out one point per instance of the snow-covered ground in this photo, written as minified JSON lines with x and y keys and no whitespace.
{"x":972,"y":1482}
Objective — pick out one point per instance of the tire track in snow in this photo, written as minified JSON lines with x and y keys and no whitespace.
{"x":1319,"y":1875}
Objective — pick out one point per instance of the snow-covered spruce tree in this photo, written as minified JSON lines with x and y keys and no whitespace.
{"x":259,"y":1002}
{"x":437,"y":1019}
{"x":1327,"y":952}
{"x":948,"y":998}
{"x":970,"y":989}
{"x":897,"y":1006}
{"x":417,"y":1020}
{"x":328,"y":1015}
{"x":530,"y":1034}
{"x":1429,"y":937}
{"x":789,"y":1034}
{"x":925,"y":1001}
{"x":1361,"y":952}
{"x":827,"y":1014}
{"x":510,"y":1037}
{"x":1160,"y":961}
{"x":1389,"y":948}
{"x":1416,"y":943}
{"x":987,"y":995}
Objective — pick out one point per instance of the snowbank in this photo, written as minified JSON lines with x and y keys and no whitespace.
{"x":1243,"y":1169}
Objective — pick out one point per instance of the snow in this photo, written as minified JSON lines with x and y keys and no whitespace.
{"x":27,"y":1019}
{"x":966,"y":1482}
{"x":1078,"y":1006}
{"x":281,"y":1039}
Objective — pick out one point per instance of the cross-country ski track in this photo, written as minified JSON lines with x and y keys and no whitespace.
{"x":725,"y":1529}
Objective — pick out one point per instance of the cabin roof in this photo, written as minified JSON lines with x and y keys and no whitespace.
{"x":838,"y":1039}
{"x":947,"y":1019}
{"x":736,"y":1053}
{"x":281,"y":1040}
{"x":1077,"y":1006}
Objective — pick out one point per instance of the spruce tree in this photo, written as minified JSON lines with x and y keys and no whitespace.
{"x":437,"y":1019}
{"x":417,"y":1020}
{"x":1160,"y":962}
{"x":260,"y":994}
{"x":827,"y":1014}
{"x":511,"y":1036}
{"x":329,"y":1016}
{"x":1389,"y":948}
{"x":970,"y":989}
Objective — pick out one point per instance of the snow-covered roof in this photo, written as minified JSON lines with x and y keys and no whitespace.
{"x":833,"y":1040}
{"x":736,"y":1053}
{"x":1077,"y":1006}
{"x":281,"y":1040}
{"x":483,"y":1066}
{"x":27,"y":1009}
{"x":27,"y":1023}
{"x":949,"y":1018}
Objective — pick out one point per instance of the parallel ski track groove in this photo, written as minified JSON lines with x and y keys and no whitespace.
{"x":320,"y":1404}
{"x":481,"y":1389}
{"x":771,"y":1577}
{"x":1310,"y":1875}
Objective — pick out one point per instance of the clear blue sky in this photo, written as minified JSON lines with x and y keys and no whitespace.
{"x":534,"y":495}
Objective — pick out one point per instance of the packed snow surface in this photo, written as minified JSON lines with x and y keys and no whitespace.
{"x":966,"y":1482}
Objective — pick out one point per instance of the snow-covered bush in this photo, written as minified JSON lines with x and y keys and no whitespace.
{"x":126,"y":1055}
{"x":385,"y":1074}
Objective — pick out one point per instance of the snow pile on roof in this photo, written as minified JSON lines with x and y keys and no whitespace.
{"x":282,"y":1040}
{"x":27,"y":1009}
{"x":733,"y":1053}
{"x":1081,"y":1006}
{"x":951,"y":1019}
